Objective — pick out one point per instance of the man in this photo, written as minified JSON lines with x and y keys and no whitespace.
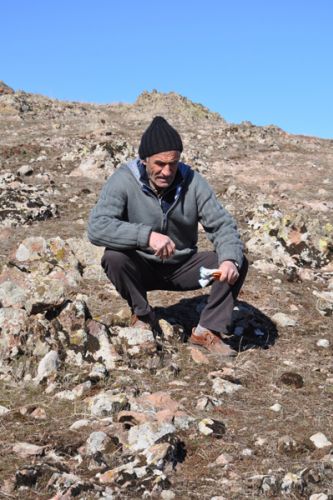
{"x":147,"y":218}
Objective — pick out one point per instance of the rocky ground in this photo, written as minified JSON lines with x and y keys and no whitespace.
{"x":91,"y":408}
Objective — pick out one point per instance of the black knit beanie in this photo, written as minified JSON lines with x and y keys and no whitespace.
{"x":159,"y":137}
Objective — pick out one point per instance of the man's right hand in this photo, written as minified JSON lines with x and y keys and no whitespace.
{"x":163,"y":246}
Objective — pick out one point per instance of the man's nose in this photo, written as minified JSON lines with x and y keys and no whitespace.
{"x":167,"y":169}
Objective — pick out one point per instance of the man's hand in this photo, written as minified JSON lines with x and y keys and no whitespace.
{"x":229,"y":272}
{"x":163,"y":246}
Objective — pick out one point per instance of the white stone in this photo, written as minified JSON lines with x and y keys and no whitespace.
{"x":320,"y":440}
{"x":83,"y":422}
{"x":66,"y":395}
{"x":290,"y":481}
{"x":167,"y":495}
{"x":283,"y":320}
{"x":106,"y":403}
{"x":221,"y":386}
{"x":323,"y":343}
{"x":24,"y":170}
{"x":48,"y":365}
{"x":144,"y":435}
{"x":247,"y":452}
{"x":276,"y":407}
{"x":135,"y":336}
{"x":318,"y":496}
{"x":3,"y":410}
{"x":97,"y":441}
{"x":27,"y":449}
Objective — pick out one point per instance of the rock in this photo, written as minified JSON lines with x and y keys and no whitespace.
{"x":292,"y":482}
{"x":247,"y":452}
{"x":198,"y":356}
{"x":158,"y":401}
{"x":287,"y":445}
{"x":320,"y":440}
{"x":33,"y":411}
{"x":167,"y":330}
{"x":318,"y":496}
{"x":167,"y":495}
{"x":156,"y":453}
{"x":292,"y":379}
{"x":102,"y":349}
{"x":26,"y":450}
{"x":107,"y":404}
{"x":221,"y":386}
{"x":283,"y":320}
{"x":276,"y":407}
{"x":13,"y":322}
{"x":97,"y":441}
{"x":223,"y":459}
{"x":30,"y":249}
{"x":47,"y":366}
{"x":207,"y":403}
{"x":79,"y":424}
{"x":5,"y":89}
{"x":25,"y":170}
{"x":12,"y":295}
{"x":135,"y":336}
{"x":3,"y":410}
{"x":325,"y":343}
{"x":211,"y":427}
{"x":144,"y":435}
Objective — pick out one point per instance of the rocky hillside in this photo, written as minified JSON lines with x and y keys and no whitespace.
{"x":91,"y":408}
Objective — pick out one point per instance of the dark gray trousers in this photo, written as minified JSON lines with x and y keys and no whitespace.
{"x":133,"y":276}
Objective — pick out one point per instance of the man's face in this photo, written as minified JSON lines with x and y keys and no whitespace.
{"x":162,"y":168}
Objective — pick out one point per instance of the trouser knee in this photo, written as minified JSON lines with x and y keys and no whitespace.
{"x":114,"y":263}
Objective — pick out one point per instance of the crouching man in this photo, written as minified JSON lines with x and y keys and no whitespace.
{"x":147,"y":219}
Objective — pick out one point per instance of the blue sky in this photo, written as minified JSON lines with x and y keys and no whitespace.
{"x":266,"y":61}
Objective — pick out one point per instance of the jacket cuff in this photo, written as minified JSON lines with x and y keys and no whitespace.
{"x":143,"y":236}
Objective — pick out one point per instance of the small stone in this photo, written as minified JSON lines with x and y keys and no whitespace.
{"x":221,"y":386}
{"x":320,"y":440}
{"x":247,"y":452}
{"x":211,"y":427}
{"x":106,"y":404}
{"x":47,"y":366}
{"x":276,"y":407}
{"x":3,"y":410}
{"x":318,"y":496}
{"x":167,"y":495}
{"x":79,"y":424}
{"x":97,"y":441}
{"x":323,"y":343}
{"x":25,"y":450}
{"x":223,"y":459}
{"x":290,"y":482}
{"x":156,"y":453}
{"x":292,"y":379}
{"x":136,"y":336}
{"x":283,"y":320}
{"x":207,"y":403}
{"x":260,"y":441}
{"x":25,"y":170}
{"x":142,"y":436}
{"x":198,"y":356}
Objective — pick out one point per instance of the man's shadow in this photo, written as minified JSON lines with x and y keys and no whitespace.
{"x":250,"y":328}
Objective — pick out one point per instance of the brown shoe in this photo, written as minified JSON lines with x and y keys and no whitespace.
{"x":212,"y":343}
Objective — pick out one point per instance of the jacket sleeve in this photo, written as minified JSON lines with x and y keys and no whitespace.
{"x":107,"y":224}
{"x":218,"y":224}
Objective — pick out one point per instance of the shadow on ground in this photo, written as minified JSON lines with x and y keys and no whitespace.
{"x":250,"y":327}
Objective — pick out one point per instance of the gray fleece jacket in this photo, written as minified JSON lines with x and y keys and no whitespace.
{"x":128,"y":211}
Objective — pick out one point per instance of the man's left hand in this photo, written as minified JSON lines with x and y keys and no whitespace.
{"x":229,"y":272}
